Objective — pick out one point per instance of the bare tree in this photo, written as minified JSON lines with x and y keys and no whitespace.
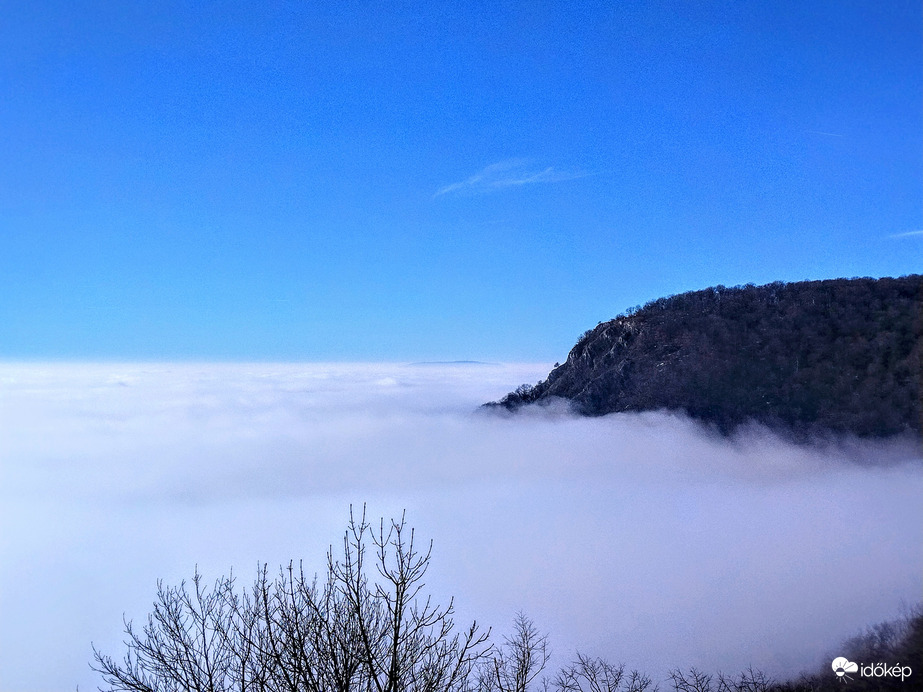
{"x":406,"y":641}
{"x":749,"y":680}
{"x":183,"y":646}
{"x":365,"y":628}
{"x":588,"y":674}
{"x":639,"y":682}
{"x":292,"y":635}
{"x":693,"y":681}
{"x":516,"y":664}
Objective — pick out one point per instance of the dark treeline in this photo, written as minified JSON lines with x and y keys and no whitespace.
{"x":368,"y":625}
{"x":810,"y":357}
{"x":887,"y":657}
{"x":877,"y":652}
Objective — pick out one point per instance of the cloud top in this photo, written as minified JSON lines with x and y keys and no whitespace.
{"x":641,"y":538}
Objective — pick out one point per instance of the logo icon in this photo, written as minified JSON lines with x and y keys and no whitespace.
{"x":842,"y":666}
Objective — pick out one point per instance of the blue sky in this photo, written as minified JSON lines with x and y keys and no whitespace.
{"x":436,"y":181}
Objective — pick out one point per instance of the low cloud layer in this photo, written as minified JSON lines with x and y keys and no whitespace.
{"x":641,"y":538}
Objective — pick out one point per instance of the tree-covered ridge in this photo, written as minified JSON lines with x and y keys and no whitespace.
{"x":841,"y":355}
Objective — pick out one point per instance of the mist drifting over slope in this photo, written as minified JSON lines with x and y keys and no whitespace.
{"x":641,"y":538}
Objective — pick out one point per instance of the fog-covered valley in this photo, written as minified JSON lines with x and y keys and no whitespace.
{"x":641,"y":538}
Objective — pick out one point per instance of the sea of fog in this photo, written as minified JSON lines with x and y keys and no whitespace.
{"x":640,"y":538}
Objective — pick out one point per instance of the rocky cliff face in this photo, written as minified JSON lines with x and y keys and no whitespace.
{"x":841,"y":355}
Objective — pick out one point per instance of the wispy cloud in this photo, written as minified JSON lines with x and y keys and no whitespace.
{"x":907,"y":234}
{"x":825,"y":134}
{"x":506,"y":174}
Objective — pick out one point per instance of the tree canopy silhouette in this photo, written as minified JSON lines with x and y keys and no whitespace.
{"x":809,"y":357}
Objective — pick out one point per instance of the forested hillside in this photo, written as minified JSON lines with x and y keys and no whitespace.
{"x":842,"y":355}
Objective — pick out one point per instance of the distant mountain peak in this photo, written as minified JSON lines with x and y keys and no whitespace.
{"x":450,"y":362}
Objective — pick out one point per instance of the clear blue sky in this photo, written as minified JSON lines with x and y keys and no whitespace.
{"x":436,"y":180}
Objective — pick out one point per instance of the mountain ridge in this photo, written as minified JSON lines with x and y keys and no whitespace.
{"x":838,"y":355}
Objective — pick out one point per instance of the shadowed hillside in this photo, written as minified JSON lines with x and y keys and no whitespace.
{"x":842,"y":355}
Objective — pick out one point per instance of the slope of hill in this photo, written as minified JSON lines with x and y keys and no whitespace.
{"x":842,"y":355}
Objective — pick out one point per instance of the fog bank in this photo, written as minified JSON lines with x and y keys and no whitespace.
{"x":637,"y":537}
